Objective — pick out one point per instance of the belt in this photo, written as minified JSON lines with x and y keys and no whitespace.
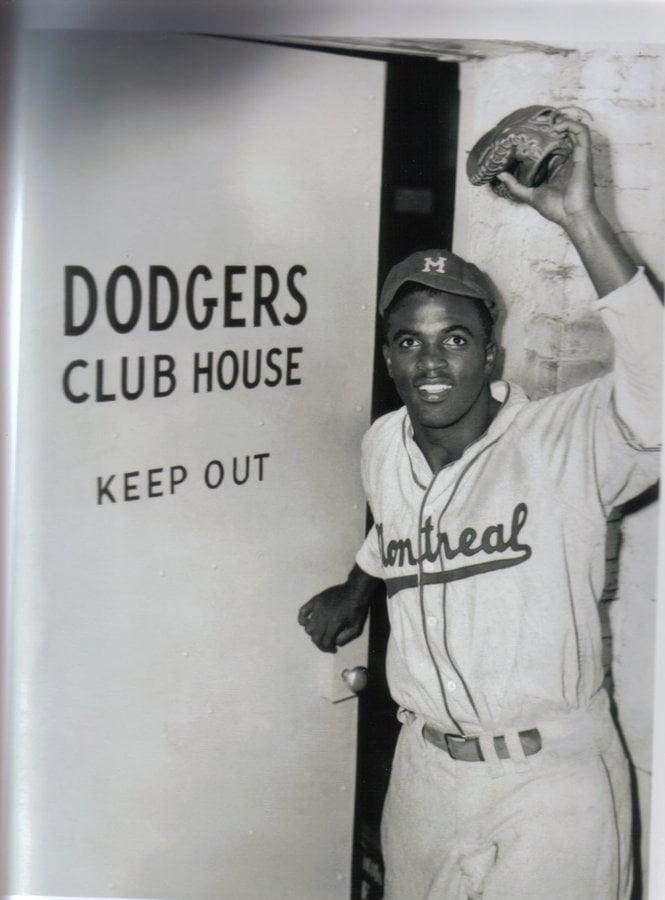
{"x":468,"y":749}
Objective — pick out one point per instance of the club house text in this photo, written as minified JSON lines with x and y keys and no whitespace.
{"x":249,"y":297}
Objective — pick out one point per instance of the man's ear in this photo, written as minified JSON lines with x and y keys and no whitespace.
{"x":386,"y":356}
{"x":490,"y":357}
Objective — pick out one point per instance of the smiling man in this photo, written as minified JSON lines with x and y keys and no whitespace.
{"x":509,"y":779}
{"x":438,"y":318}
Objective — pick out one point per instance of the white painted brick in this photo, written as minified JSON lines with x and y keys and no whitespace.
{"x":635,"y":166}
{"x":539,"y":376}
{"x":623,"y":165}
{"x":586,"y":337}
{"x":613,"y":74}
{"x":503,"y":88}
{"x":598,"y":74}
{"x":580,"y":292}
{"x":544,"y":335}
{"x":629,"y":210}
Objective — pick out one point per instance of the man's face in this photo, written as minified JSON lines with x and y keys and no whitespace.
{"x":438,"y":356}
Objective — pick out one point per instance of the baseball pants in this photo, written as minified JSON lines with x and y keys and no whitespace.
{"x":551,"y":825}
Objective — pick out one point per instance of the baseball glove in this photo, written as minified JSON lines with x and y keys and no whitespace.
{"x":523,"y":144}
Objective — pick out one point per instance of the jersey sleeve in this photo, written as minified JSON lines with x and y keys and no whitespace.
{"x":629,"y":437}
{"x":602,"y":439}
{"x":369,"y":556}
{"x":633,"y":315}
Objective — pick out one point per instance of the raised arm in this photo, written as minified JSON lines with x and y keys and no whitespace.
{"x":633,"y":315}
{"x":569,"y":200}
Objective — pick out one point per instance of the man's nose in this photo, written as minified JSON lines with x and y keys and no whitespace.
{"x":433,"y":359}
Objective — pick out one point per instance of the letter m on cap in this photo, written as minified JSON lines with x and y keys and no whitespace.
{"x":439,"y":264}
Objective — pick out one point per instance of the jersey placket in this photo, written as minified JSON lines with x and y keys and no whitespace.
{"x":438,"y":494}
{"x":457,"y":700}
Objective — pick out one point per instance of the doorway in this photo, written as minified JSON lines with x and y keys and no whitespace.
{"x":417,"y":208}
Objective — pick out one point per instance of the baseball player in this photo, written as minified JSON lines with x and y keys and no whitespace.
{"x":509,"y":780}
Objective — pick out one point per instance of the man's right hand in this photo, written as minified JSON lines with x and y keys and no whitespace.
{"x":337,"y":615}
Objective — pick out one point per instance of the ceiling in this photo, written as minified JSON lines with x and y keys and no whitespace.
{"x":445,"y":50}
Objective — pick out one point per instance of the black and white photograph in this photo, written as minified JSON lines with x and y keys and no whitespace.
{"x":333,"y":396}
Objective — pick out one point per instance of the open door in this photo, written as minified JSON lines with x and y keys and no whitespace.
{"x":418,"y":191}
{"x":200,"y":232}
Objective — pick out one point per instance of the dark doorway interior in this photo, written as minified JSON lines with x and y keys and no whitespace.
{"x":417,"y":206}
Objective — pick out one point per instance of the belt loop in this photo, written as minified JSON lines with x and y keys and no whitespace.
{"x":515,"y":748}
{"x":492,"y":761}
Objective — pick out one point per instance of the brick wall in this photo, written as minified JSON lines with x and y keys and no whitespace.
{"x":552,"y":339}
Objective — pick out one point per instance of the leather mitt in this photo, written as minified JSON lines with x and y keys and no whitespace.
{"x":523,"y":144}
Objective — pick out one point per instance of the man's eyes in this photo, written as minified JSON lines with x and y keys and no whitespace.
{"x":451,"y":340}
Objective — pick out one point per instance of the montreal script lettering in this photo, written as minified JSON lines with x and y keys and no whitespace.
{"x":491,"y":541}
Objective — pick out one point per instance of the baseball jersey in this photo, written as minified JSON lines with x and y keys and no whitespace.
{"x":495,"y":565}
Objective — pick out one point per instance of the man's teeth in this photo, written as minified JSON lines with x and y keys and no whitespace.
{"x":434,"y":388}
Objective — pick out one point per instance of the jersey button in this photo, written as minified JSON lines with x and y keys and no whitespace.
{"x":432,"y":620}
{"x":452,"y":686}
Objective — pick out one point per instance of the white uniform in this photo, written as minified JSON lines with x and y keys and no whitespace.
{"x":494,"y":569}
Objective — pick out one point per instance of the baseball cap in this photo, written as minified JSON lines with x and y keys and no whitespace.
{"x":442,"y":270}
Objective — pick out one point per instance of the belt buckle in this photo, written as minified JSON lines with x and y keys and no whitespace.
{"x":466,"y":749}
